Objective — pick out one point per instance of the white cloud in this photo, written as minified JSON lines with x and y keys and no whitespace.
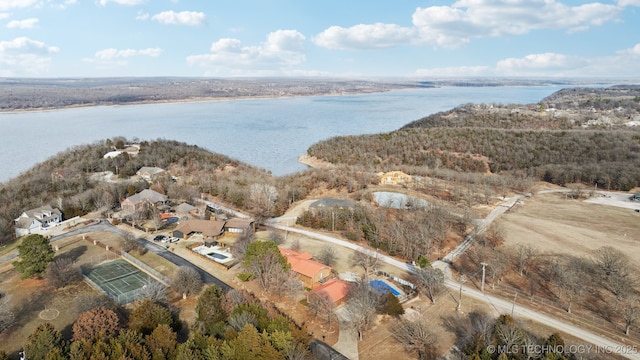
{"x":457,"y":24}
{"x":634,"y":51}
{"x":629,"y":2}
{"x":142,"y":15}
{"x":623,"y":64}
{"x":15,"y":4}
{"x":123,"y":2}
{"x":452,"y":26}
{"x":281,"y":50}
{"x":191,"y":18}
{"x":24,"y":56}
{"x":538,"y":64}
{"x":22,"y":24}
{"x":112,"y":54}
{"x":364,"y":36}
{"x":64,"y":4}
{"x":4,"y":16}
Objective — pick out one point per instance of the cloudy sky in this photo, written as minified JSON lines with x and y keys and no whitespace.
{"x":354,"y":38}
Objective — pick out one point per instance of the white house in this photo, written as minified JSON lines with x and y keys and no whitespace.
{"x":37,"y":219}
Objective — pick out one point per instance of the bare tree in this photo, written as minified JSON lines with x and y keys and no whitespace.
{"x":430,"y":281}
{"x":630,"y":312}
{"x":571,"y":280}
{"x":362,"y":305}
{"x":295,"y":244}
{"x":610,"y":260}
{"x":284,"y":281}
{"x":62,"y":272}
{"x":509,"y":334}
{"x":321,"y":306}
{"x":263,"y":198}
{"x":154,"y":291}
{"x":276,"y":237}
{"x":367,"y":260}
{"x":524,"y":255}
{"x":186,"y":280}
{"x":328,"y":255}
{"x":498,"y":264}
{"x":240,"y":247}
{"x":416,"y":337}
{"x":129,"y":241}
{"x":615,"y":270}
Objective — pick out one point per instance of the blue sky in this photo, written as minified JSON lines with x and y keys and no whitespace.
{"x":355,"y":38}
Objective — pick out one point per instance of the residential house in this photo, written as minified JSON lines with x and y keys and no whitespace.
{"x":311,"y":273}
{"x":239,"y":226}
{"x":37,"y":219}
{"x":209,"y":229}
{"x":143,"y":200}
{"x":394,"y":178}
{"x":132,"y":150}
{"x":185,"y":208}
{"x":149,"y":172}
{"x":334,"y":289}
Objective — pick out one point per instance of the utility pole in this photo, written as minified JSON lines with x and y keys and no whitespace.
{"x":514,"y":303}
{"x":462,"y":280}
{"x":484,"y":264}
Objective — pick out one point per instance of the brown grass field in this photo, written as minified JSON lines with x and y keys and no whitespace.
{"x":554,"y":224}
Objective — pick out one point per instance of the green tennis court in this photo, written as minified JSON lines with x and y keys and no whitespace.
{"x":117,"y":278}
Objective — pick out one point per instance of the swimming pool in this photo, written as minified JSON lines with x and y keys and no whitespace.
{"x":217,"y":256}
{"x":383,"y":287}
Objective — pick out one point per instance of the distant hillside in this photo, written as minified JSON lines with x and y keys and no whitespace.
{"x":559,"y":146}
{"x":573,"y":108}
{"x":28,"y":94}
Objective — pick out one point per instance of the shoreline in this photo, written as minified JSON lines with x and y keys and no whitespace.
{"x":199,"y":99}
{"x":314,"y":163}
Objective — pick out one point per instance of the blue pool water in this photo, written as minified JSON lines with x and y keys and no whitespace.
{"x":383,"y":287}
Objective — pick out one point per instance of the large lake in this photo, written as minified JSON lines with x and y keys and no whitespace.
{"x":268,"y":133}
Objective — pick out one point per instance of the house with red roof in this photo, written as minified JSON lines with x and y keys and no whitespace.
{"x":334,"y":289}
{"x":311,"y":273}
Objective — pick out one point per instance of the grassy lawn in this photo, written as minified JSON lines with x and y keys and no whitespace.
{"x":160,"y":264}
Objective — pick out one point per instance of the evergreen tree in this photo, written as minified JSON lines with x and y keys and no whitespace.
{"x":44,"y":340}
{"x":35,"y":254}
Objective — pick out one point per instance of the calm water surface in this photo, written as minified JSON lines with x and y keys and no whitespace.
{"x":268,"y":133}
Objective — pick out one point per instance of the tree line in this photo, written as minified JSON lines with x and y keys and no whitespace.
{"x":610,"y":159}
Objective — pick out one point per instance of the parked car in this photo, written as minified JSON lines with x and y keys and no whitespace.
{"x":159,"y":237}
{"x":173,"y":239}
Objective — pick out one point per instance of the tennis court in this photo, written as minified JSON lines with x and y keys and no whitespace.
{"x":118,"y":279}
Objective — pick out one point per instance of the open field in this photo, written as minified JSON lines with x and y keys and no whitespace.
{"x":554,"y":224}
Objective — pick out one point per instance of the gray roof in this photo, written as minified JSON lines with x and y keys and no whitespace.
{"x":147,"y":195}
{"x":41,"y":214}
{"x":185,"y":208}
{"x":45,"y":212}
{"x":151,"y":170}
